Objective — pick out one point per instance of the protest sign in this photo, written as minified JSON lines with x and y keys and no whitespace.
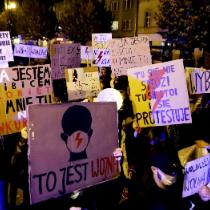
{"x":6,"y":53}
{"x":82,"y":82}
{"x":198,"y":80}
{"x":19,"y":87}
{"x":101,"y":55}
{"x":4,"y":65}
{"x":64,"y":56}
{"x":30,"y":51}
{"x":86,"y":54}
{"x":196,"y":175}
{"x":128,"y":53}
{"x":71,"y":147}
{"x":159,"y":94}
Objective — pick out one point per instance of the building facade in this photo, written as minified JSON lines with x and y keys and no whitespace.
{"x":133,"y":17}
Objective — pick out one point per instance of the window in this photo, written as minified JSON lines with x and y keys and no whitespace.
{"x":147,"y":19}
{"x":127,"y":4}
{"x":114,"y":6}
{"x":126,"y":25}
{"x":115,"y":25}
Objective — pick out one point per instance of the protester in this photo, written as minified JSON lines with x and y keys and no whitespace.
{"x":156,"y":173}
{"x":19,"y":171}
{"x":105,"y":77}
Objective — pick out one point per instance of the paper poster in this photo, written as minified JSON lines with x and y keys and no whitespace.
{"x":129,"y":52}
{"x":30,"y":51}
{"x":198,"y":80}
{"x":64,"y":56}
{"x":21,"y":86}
{"x":196,"y":175}
{"x":101,"y":55}
{"x":86,"y":54}
{"x":159,"y":94}
{"x":71,"y":147}
{"x":82,"y":83}
{"x":6,"y":53}
{"x":4,"y":65}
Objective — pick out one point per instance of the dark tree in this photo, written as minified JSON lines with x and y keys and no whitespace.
{"x":36,"y":19}
{"x":79,"y":19}
{"x":1,"y":6}
{"x":7,"y":22}
{"x":186,"y":22}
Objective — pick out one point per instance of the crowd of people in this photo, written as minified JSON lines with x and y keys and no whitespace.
{"x":151,"y":166}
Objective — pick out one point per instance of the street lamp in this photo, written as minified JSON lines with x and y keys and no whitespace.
{"x":10,"y":5}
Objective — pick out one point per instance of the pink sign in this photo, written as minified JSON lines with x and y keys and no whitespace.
{"x":71,"y":147}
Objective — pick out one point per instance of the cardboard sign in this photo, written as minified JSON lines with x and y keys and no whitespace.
{"x":196,"y":175}
{"x":4,"y":65}
{"x":159,"y":94}
{"x":82,"y":83}
{"x":6,"y":53}
{"x":19,"y":87}
{"x":30,"y":51}
{"x":71,"y":147}
{"x":86,"y":54}
{"x":64,"y":56}
{"x":198,"y":80}
{"x":127,"y":53}
{"x":101,"y":55}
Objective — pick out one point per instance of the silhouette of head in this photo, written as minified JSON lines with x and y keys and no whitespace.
{"x":76,"y":124}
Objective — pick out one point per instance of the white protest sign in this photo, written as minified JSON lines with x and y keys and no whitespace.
{"x":4,"y":65}
{"x":101,"y":55}
{"x":86,"y":54}
{"x":198,"y":80}
{"x":6,"y":53}
{"x":159,"y":94}
{"x":71,"y":147}
{"x":196,"y":175}
{"x":82,"y":82}
{"x":30,"y":51}
{"x":129,"y":52}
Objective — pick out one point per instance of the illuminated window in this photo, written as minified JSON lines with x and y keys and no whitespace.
{"x":115,"y":25}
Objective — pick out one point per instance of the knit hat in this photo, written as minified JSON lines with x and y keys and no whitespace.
{"x":164,"y":162}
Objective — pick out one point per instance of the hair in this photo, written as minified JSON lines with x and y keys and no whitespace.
{"x":76,"y":118}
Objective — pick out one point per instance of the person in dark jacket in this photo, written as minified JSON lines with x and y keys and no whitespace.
{"x":157,"y":177}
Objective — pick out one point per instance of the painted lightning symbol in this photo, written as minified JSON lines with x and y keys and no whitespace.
{"x":100,"y":56}
{"x":155,"y":77}
{"x":78,"y":139}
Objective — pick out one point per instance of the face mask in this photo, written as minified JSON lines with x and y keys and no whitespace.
{"x":78,"y":141}
{"x":165,"y":179}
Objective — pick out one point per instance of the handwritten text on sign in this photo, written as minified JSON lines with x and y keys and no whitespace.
{"x":159,"y":94}
{"x":101,"y":55}
{"x":198,"y":80}
{"x":82,"y":82}
{"x":6,"y":53}
{"x":21,"y":86}
{"x":86,"y":54}
{"x":128,"y":53}
{"x":196,"y":175}
{"x":64,"y":56}
{"x":81,"y":148}
{"x":30,"y":51}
